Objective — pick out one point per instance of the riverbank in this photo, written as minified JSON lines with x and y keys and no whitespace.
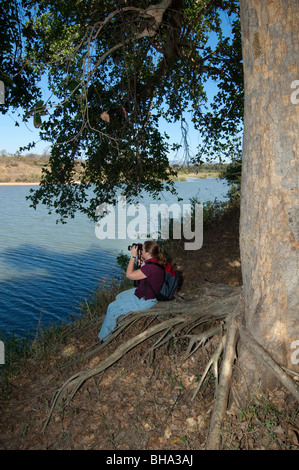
{"x":27,"y":170}
{"x":21,"y":170}
{"x":143,"y":401}
{"x":15,"y":183}
{"x":180,"y":177}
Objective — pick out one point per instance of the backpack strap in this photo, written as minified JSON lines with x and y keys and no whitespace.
{"x":146,"y":281}
{"x":156,"y":264}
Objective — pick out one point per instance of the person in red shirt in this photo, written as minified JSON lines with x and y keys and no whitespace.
{"x":142,"y":297}
{"x":155,"y":275}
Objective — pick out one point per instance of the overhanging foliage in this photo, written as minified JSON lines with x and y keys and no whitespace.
{"x":114,"y":70}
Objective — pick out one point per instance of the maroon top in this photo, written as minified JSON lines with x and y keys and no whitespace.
{"x":155,"y":275}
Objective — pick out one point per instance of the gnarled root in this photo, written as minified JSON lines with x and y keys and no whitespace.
{"x":213,"y":440}
{"x":173,"y":317}
{"x":220,"y":306}
{"x":236,"y":329}
{"x":72,"y":385}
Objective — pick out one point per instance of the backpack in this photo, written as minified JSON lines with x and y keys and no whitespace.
{"x":170,"y":284}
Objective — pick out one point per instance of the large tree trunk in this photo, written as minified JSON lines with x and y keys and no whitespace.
{"x":269,"y":232}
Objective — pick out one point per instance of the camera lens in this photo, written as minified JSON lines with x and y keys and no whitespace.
{"x":139,"y":246}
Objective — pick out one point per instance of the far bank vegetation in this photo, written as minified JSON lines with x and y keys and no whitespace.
{"x":17,"y":168}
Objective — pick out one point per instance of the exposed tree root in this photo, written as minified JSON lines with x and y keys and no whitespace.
{"x":72,"y":385}
{"x":221,"y":305}
{"x":236,"y":329}
{"x":212,"y":362}
{"x":262,"y":355}
{"x":174,"y":317}
{"x":222,"y":392}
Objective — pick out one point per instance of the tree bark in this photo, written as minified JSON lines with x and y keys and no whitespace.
{"x":269,"y":232}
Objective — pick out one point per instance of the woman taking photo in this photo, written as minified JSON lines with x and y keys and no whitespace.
{"x":142,"y":297}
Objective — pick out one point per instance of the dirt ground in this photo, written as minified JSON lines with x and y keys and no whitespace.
{"x":14,"y":171}
{"x":145,"y":403}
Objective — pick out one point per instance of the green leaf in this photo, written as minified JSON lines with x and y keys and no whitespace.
{"x":72,"y":85}
{"x":37,"y":121}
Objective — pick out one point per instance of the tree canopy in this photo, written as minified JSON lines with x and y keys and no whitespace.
{"x":114,"y":71}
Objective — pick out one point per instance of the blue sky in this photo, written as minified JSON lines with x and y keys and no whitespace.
{"x":12,"y":137}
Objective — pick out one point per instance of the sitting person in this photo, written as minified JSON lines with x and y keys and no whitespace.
{"x":142,"y":297}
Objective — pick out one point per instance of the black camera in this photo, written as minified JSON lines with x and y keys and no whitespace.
{"x":139,"y":246}
{"x":139,"y":253}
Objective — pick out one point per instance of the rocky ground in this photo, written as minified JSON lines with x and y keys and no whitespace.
{"x":144,"y":402}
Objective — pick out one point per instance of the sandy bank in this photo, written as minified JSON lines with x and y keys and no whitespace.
{"x":19,"y":184}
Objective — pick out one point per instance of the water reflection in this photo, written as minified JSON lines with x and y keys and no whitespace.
{"x":47,"y":269}
{"x":48,"y":285}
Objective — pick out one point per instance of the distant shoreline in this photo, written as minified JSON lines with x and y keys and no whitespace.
{"x":19,"y":184}
{"x":179,"y":178}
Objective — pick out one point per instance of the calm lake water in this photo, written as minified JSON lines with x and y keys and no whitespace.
{"x":47,"y":270}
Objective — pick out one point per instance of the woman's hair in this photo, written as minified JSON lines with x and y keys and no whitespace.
{"x":152,"y":248}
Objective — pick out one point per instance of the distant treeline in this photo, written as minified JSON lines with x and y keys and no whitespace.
{"x":18,"y":156}
{"x":199,"y":168}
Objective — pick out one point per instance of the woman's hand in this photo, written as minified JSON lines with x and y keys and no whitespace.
{"x":134,"y":250}
{"x":130,"y":273}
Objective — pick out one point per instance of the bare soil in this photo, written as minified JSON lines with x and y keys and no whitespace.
{"x":145,"y":403}
{"x":21,"y":170}
{"x":24,"y":170}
